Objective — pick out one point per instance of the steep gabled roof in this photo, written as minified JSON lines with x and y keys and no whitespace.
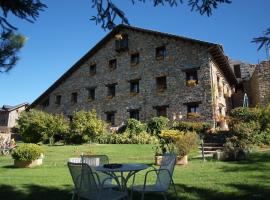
{"x":8,"y":108}
{"x":215,"y":50}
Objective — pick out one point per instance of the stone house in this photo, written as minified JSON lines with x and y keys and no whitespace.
{"x":139,"y":73}
{"x":9,"y":115}
{"x":260,"y":84}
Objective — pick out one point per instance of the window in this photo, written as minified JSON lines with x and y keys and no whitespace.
{"x":192,"y":108}
{"x":112,"y":64}
{"x":161,"y":111}
{"x":58,"y":99}
{"x":160,"y":52}
{"x":46,"y":102}
{"x":134,"y":114}
{"x":121,"y":42}
{"x":237,"y":71}
{"x":93,"y":69}
{"x":161,"y":83}
{"x":111,"y":90}
{"x":191,"y":78}
{"x":91,"y":93}
{"x":134,"y":59}
{"x":74,"y":97}
{"x":134,"y":86}
{"x":110,"y":117}
{"x":70,"y":117}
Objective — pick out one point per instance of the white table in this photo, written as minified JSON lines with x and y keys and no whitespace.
{"x":131,"y":169}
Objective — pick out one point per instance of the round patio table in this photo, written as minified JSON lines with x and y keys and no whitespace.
{"x":131,"y":170}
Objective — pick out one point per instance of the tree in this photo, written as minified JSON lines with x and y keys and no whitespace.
{"x":108,"y":12}
{"x":263,"y":40}
{"x":10,"y":41}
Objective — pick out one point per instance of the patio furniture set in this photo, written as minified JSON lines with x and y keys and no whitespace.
{"x":95,"y":179}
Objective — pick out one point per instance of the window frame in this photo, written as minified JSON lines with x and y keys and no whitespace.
{"x":134,"y":86}
{"x":111,"y":93}
{"x":91,"y":93}
{"x":160,"y":86}
{"x":135,"y":56}
{"x":74,"y":97}
{"x":58,"y":99}
{"x":161,"y":52}
{"x":110,"y":117}
{"x":112,"y":64}
{"x":93,"y":69}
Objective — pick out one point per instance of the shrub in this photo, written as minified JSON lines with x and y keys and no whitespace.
{"x":198,"y":127}
{"x":245,"y":114}
{"x":37,"y":126}
{"x":157,"y":124}
{"x":135,"y":127}
{"x":27,"y":152}
{"x":85,"y":126}
{"x":185,"y":143}
{"x":126,"y":138}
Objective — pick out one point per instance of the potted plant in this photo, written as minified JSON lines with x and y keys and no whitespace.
{"x":184,"y":143}
{"x":191,"y":83}
{"x":27,"y":155}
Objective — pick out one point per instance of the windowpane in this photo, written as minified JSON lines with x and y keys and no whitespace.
{"x":134,"y":114}
{"x":74,"y":97}
{"x":161,"y":83}
{"x":121,"y":42}
{"x":237,"y":71}
{"x":111,"y":90}
{"x":93,"y":69}
{"x":160,"y":52}
{"x":134,"y":59}
{"x":161,"y":111}
{"x":58,"y":99}
{"x":112,"y":64}
{"x":91,"y":93}
{"x":134,"y":86}
{"x":46,"y":102}
{"x":110,"y":118}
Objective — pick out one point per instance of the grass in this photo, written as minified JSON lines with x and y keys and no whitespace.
{"x":245,"y":180}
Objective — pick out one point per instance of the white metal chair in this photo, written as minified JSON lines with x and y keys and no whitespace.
{"x":97,"y":160}
{"x":88,"y":186}
{"x":163,"y":177}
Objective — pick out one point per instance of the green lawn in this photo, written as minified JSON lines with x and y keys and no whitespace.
{"x":198,"y":180}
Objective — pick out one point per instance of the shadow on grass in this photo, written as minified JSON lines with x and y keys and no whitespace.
{"x":34,"y":192}
{"x":185,"y":192}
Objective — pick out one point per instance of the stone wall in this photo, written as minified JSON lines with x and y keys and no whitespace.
{"x":260,"y":84}
{"x":180,"y":56}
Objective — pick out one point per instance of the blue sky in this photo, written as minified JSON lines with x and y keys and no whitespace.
{"x":63,"y":34}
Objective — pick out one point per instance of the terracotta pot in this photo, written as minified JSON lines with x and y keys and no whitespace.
{"x":26,"y":164}
{"x":182,"y":160}
{"x":158,"y":160}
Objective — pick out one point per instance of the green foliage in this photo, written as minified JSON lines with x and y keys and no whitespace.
{"x":27,"y":152}
{"x":178,"y":142}
{"x":198,"y":127}
{"x":126,"y":138}
{"x":37,"y":126}
{"x":157,"y":124}
{"x":135,"y":127}
{"x":85,"y":126}
{"x":245,"y":114}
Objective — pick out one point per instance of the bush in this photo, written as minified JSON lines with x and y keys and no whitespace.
{"x":37,"y":126}
{"x":198,"y":127}
{"x":27,"y":152}
{"x":135,"y":127}
{"x":179,"y":142}
{"x":126,"y":138}
{"x":85,"y":126}
{"x":185,"y":143}
{"x":157,"y":124}
{"x":245,"y":114}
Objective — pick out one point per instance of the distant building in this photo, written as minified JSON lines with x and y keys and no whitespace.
{"x":139,"y":73}
{"x":9,"y":115}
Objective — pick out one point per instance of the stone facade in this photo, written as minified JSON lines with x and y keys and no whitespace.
{"x":183,"y":59}
{"x":260,"y":84}
{"x":9,"y":115}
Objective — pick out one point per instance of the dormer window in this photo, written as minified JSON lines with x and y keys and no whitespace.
{"x":121,"y":42}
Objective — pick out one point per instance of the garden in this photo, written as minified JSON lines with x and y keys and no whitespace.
{"x":242,"y":175}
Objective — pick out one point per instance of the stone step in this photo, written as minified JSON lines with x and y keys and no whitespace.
{"x":207,"y":147}
{"x":207,"y":152}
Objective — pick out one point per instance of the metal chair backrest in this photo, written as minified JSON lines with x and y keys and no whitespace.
{"x":165,"y":171}
{"x":84,"y":181}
